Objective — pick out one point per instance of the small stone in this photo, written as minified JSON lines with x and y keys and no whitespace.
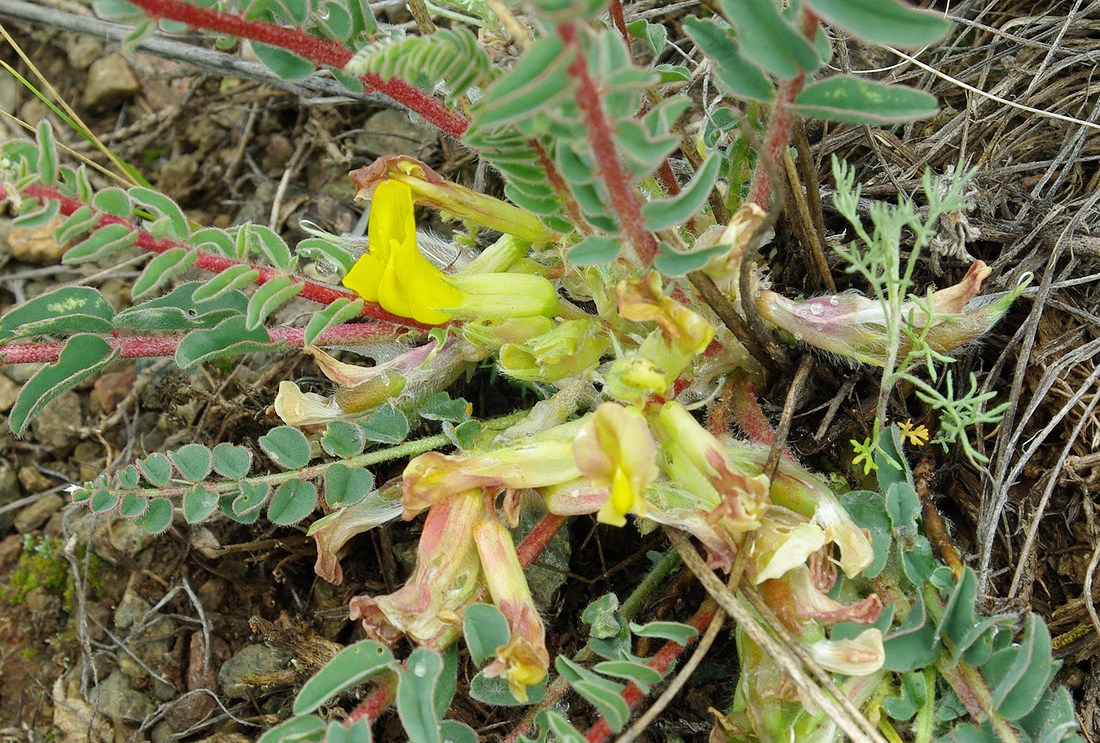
{"x":391,"y":131}
{"x":131,"y":608}
{"x":116,"y":700}
{"x":83,"y":51}
{"x":9,"y":493}
{"x":129,"y":538}
{"x":38,"y":513}
{"x":110,"y":81}
{"x":57,"y":424}
{"x":36,"y":244}
{"x":9,"y":390}
{"x":42,"y":601}
{"x":212,"y":593}
{"x":32,"y":480}
{"x":74,"y":718}
{"x":237,"y":675}
{"x":11,"y":547}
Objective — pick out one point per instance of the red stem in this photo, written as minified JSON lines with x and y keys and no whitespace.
{"x":624,"y":201}
{"x":536,"y":540}
{"x":660,"y":662}
{"x":136,"y":347}
{"x":322,"y":51}
{"x":616,"y":10}
{"x":560,"y":188}
{"x":320,"y":293}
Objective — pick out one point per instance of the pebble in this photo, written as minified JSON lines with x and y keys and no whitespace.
{"x":234,"y":675}
{"x":36,"y":244}
{"x":9,"y":492}
{"x":391,"y":131}
{"x":116,"y":700}
{"x":110,"y":82}
{"x":9,"y":390}
{"x":83,"y":51}
{"x":73,"y":718}
{"x":42,"y":602}
{"x":57,"y":424}
{"x":11,"y":547}
{"x":32,"y":480}
{"x":131,"y":608}
{"x":129,"y":538}
{"x":38,"y":513}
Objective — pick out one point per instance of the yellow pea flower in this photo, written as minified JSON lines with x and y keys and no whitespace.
{"x":397,"y":276}
{"x":394,"y":273}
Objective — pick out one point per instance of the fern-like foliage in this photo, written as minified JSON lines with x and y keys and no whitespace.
{"x":449,"y":60}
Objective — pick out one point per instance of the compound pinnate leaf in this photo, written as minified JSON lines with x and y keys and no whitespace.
{"x":113,"y":201}
{"x":606,"y":698}
{"x":359,"y":732}
{"x":156,"y":469}
{"x":181,"y":309}
{"x":80,"y":221}
{"x":857,"y":101}
{"x":287,"y":447}
{"x":416,"y":683}
{"x":350,"y":667}
{"x":71,"y":309}
{"x":47,"y":153}
{"x":230,"y":461}
{"x":345,"y":486}
{"x":485,"y":630}
{"x":157,"y":517}
{"x":915,"y":643}
{"x":541,"y":68}
{"x":440,"y":407}
{"x":454,"y":731}
{"x":884,"y":21}
{"x":198,"y":503}
{"x":192,"y":461}
{"x":162,"y":269}
{"x":83,"y":356}
{"x":292,"y":502}
{"x":343,"y":439}
{"x":672,"y":262}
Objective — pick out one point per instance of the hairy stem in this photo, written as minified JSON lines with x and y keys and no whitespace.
{"x":624,"y":201}
{"x":144,"y":347}
{"x":320,"y":293}
{"x":321,"y":51}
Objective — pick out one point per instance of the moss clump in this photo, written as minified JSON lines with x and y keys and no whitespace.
{"x":42,"y":563}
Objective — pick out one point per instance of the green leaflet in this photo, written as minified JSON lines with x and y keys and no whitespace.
{"x":858,"y":101}
{"x":71,"y":309}
{"x":884,"y":21}
{"x":350,"y":667}
{"x":83,"y":357}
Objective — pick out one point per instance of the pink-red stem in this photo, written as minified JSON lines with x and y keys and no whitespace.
{"x":320,"y":293}
{"x":660,"y":662}
{"x":624,"y":201}
{"x":321,"y":51}
{"x":137,"y":347}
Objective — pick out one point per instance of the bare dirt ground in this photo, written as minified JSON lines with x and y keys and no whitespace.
{"x":87,"y":601}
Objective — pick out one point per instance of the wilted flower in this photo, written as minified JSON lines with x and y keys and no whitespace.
{"x":784,"y":542}
{"x":858,"y":656}
{"x":615,"y":450}
{"x":855,"y":326}
{"x":333,"y":531}
{"x":432,"y":477}
{"x":448,"y":578}
{"x":523,"y":661}
{"x":795,"y":600}
{"x":397,"y":276}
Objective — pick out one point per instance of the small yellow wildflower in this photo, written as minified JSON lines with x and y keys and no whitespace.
{"x":394,"y":273}
{"x":915,"y":435}
{"x":864,"y":453}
